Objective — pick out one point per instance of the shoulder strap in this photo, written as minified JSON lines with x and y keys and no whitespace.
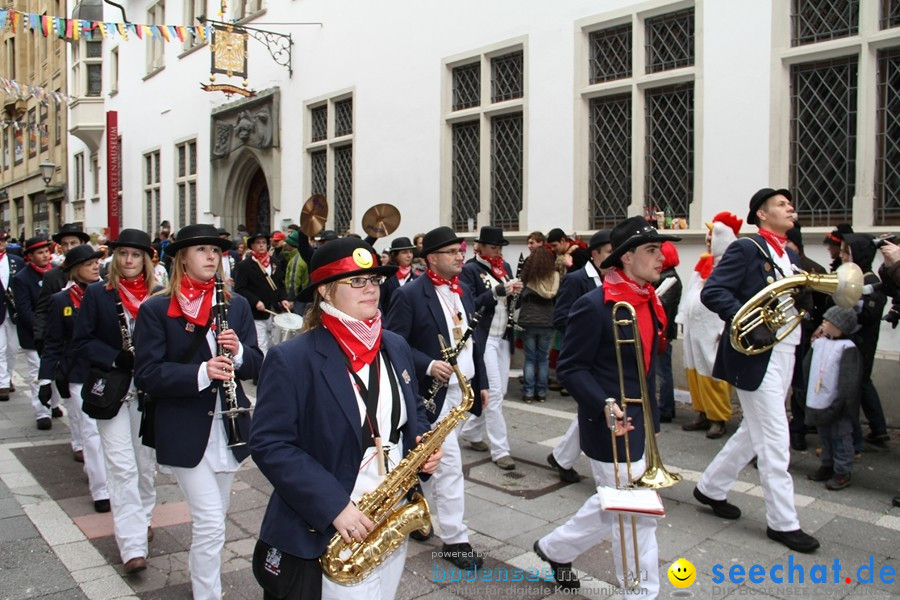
{"x":123,"y":323}
{"x":767,"y":257}
{"x":199,"y":338}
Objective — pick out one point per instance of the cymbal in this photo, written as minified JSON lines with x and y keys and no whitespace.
{"x":381,"y":220}
{"x":314,"y":215}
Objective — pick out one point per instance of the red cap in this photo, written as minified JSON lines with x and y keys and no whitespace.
{"x":278,"y":236}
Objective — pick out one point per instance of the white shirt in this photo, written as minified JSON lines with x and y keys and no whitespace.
{"x":449,"y":300}
{"x":220,"y":457}
{"x":784,"y":262}
{"x":592,"y":272}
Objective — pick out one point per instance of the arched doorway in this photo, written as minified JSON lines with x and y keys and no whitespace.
{"x":258,"y":209}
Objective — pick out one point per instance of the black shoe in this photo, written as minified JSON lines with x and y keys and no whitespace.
{"x":838,"y":482}
{"x":795,"y":540}
{"x":823,"y":473}
{"x":422,"y":537}
{"x":896,"y":501}
{"x":798,"y":442}
{"x":701,"y":423}
{"x":665,"y":418}
{"x":722,"y":508}
{"x":563,"y":392}
{"x":101,"y":506}
{"x":462,"y":556}
{"x":44,"y":423}
{"x":562,"y":572}
{"x":565,"y":475}
{"x":56,"y":412}
{"x":878,"y":439}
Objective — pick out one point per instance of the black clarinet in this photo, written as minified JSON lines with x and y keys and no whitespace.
{"x":513,"y":301}
{"x":229,"y":386}
{"x":450,"y":355}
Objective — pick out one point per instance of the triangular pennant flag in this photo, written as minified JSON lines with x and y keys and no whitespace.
{"x":163,"y":31}
{"x":60,"y":26}
{"x":16,"y":15}
{"x":34,"y":21}
{"x":45,"y":25}
{"x":139,"y":30}
{"x":200,"y":32}
{"x":3,"y":15}
{"x":69,"y":33}
{"x":76,"y":29}
{"x":122,"y":31}
{"x":102,"y":28}
{"x":173,"y":31}
{"x":180,"y":32}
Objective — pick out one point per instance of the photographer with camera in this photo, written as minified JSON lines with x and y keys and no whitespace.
{"x":890,"y":275}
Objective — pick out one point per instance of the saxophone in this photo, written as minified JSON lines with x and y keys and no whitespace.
{"x":347,"y":564}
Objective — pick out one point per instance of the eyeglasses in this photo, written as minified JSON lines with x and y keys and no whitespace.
{"x":361,"y":281}
{"x":457,"y":251}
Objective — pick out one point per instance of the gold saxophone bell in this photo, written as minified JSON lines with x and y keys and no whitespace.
{"x":774,"y":306}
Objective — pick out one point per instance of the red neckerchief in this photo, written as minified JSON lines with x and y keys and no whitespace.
{"x":2,"y":255}
{"x":496,"y":265}
{"x":192,"y":300}
{"x":403,"y":272}
{"x":133,"y":292}
{"x":705,"y":265}
{"x":619,"y":288}
{"x":76,"y":293}
{"x":360,"y":340}
{"x":438,"y":281}
{"x":262,"y":258}
{"x":778,"y":242}
{"x":39,"y":270}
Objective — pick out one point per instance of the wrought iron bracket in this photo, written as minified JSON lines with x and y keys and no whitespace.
{"x":279,"y":45}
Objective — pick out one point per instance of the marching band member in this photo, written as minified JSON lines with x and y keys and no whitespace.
{"x":61,"y":360}
{"x":433,"y":305}
{"x":338,"y":407}
{"x":588,"y":368}
{"x":10,"y":264}
{"x":178,"y":363}
{"x":69,"y":236}
{"x":260,"y":280}
{"x":488,"y":278}
{"x":401,"y":253}
{"x":130,"y":465}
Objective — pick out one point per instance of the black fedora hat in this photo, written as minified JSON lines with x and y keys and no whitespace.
{"x":437,"y":238}
{"x":401,"y":243}
{"x":200,"y":234}
{"x":492,"y":236}
{"x":601,"y":238}
{"x":340,"y":259}
{"x":327,"y":235}
{"x":631,"y":233}
{"x":759,"y":198}
{"x":35,"y":243}
{"x":133,"y":238}
{"x":71,"y":229}
{"x":223,"y":231}
{"x":256,"y":235}
{"x":78,"y":255}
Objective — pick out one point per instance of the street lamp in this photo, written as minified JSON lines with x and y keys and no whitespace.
{"x":47,"y":169}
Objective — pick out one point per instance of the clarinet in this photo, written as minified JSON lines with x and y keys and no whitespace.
{"x":512,"y":301}
{"x":450,"y":355}
{"x":10,"y":298}
{"x":229,"y":387}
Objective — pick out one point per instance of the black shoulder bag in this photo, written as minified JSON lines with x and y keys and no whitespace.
{"x":105,"y":389}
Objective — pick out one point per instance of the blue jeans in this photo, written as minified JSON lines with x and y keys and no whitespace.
{"x":666,"y":382}
{"x":537,"y":351}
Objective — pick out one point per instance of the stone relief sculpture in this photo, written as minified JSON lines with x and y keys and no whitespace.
{"x":252,"y":126}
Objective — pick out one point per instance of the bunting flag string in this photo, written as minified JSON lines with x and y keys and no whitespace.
{"x":22,"y":126}
{"x":74,"y":29}
{"x":10,"y":87}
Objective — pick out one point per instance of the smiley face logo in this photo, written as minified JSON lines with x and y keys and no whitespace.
{"x":362,"y":258}
{"x":682,"y":573}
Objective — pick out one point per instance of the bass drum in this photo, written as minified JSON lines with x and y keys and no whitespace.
{"x":284,"y":327}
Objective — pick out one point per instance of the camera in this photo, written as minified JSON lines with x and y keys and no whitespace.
{"x":880,"y":241}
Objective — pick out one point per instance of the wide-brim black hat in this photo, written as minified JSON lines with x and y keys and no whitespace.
{"x":401,"y":243}
{"x":71,"y":229}
{"x":759,"y":198}
{"x":438,"y":238}
{"x":78,"y":255}
{"x":632,"y":233}
{"x":256,"y":235}
{"x":133,"y":238}
{"x":601,"y":238}
{"x":340,"y":259}
{"x":492,"y":236}
{"x":35,"y":243}
{"x":223,"y":231}
{"x":200,"y":234}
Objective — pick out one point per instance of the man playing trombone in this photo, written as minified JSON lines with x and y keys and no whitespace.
{"x":588,"y":369}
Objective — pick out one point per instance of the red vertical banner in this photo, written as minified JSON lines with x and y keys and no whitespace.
{"x":112,"y":173}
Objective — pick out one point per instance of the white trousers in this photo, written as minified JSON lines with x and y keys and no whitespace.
{"x":568,"y":449}
{"x":9,"y":346}
{"x":94,"y":466}
{"x":496,"y":363}
{"x":131,"y":471}
{"x":763,"y":433}
{"x":263,"y":331}
{"x":34,"y":366}
{"x":382,"y":584}
{"x":445,"y":489}
{"x":591,"y":524}
{"x":207,"y":494}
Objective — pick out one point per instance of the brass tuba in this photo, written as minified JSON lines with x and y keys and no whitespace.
{"x":774,"y":306}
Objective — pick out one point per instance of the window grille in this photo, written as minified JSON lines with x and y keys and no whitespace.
{"x":186,"y":182}
{"x":819,"y":20}
{"x":670,"y":148}
{"x":343,"y":188}
{"x":823,"y":140}
{"x":610,"y":54}
{"x":670,"y":41}
{"x":319,"y":172}
{"x":506,"y":171}
{"x":887,"y":167}
{"x":343,"y":117}
{"x":610,"y":160}
{"x":890,"y":13}
{"x":467,"y":86}
{"x":319,"y":123}
{"x":466,"y":177}
{"x":507,"y":76}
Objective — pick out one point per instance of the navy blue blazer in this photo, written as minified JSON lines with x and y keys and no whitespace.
{"x":305,"y":435}
{"x":251,"y":283}
{"x":743,"y":271}
{"x":59,"y":356}
{"x":26,"y":286}
{"x":391,"y":285}
{"x":16,"y":264}
{"x":574,"y":285}
{"x":52,"y":282}
{"x":416,"y":315}
{"x":479,"y":282}
{"x":182,"y":419}
{"x":587,"y":367}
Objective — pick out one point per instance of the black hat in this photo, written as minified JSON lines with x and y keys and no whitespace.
{"x":437,"y":238}
{"x":256,"y":235}
{"x":837,"y":234}
{"x":795,"y":235}
{"x":492,"y":236}
{"x":601,"y":238}
{"x":78,"y":255}
{"x":35,"y":243}
{"x":71,"y":229}
{"x":759,"y":198}
{"x":401,"y":243}
{"x":200,"y":234}
{"x":556,"y":235}
{"x":133,"y":238}
{"x":223,"y":231}
{"x":326,"y":236}
{"x":632,"y":233}
{"x":340,"y":259}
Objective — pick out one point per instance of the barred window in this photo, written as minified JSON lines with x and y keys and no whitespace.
{"x":467,"y":86}
{"x":319,"y":172}
{"x":890,"y":13}
{"x":823,"y":140}
{"x":506,"y":170}
{"x":610,"y":54}
{"x":466,"y":175}
{"x":610,"y":160}
{"x":319,"y":123}
{"x":507,"y":76}
{"x":670,"y":41}
{"x":186,"y":182}
{"x":330,"y":152}
{"x":887,"y":168}
{"x":670,"y":149}
{"x":343,"y":188}
{"x":343,"y":117}
{"x":152,"y":199}
{"x":819,"y":20}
